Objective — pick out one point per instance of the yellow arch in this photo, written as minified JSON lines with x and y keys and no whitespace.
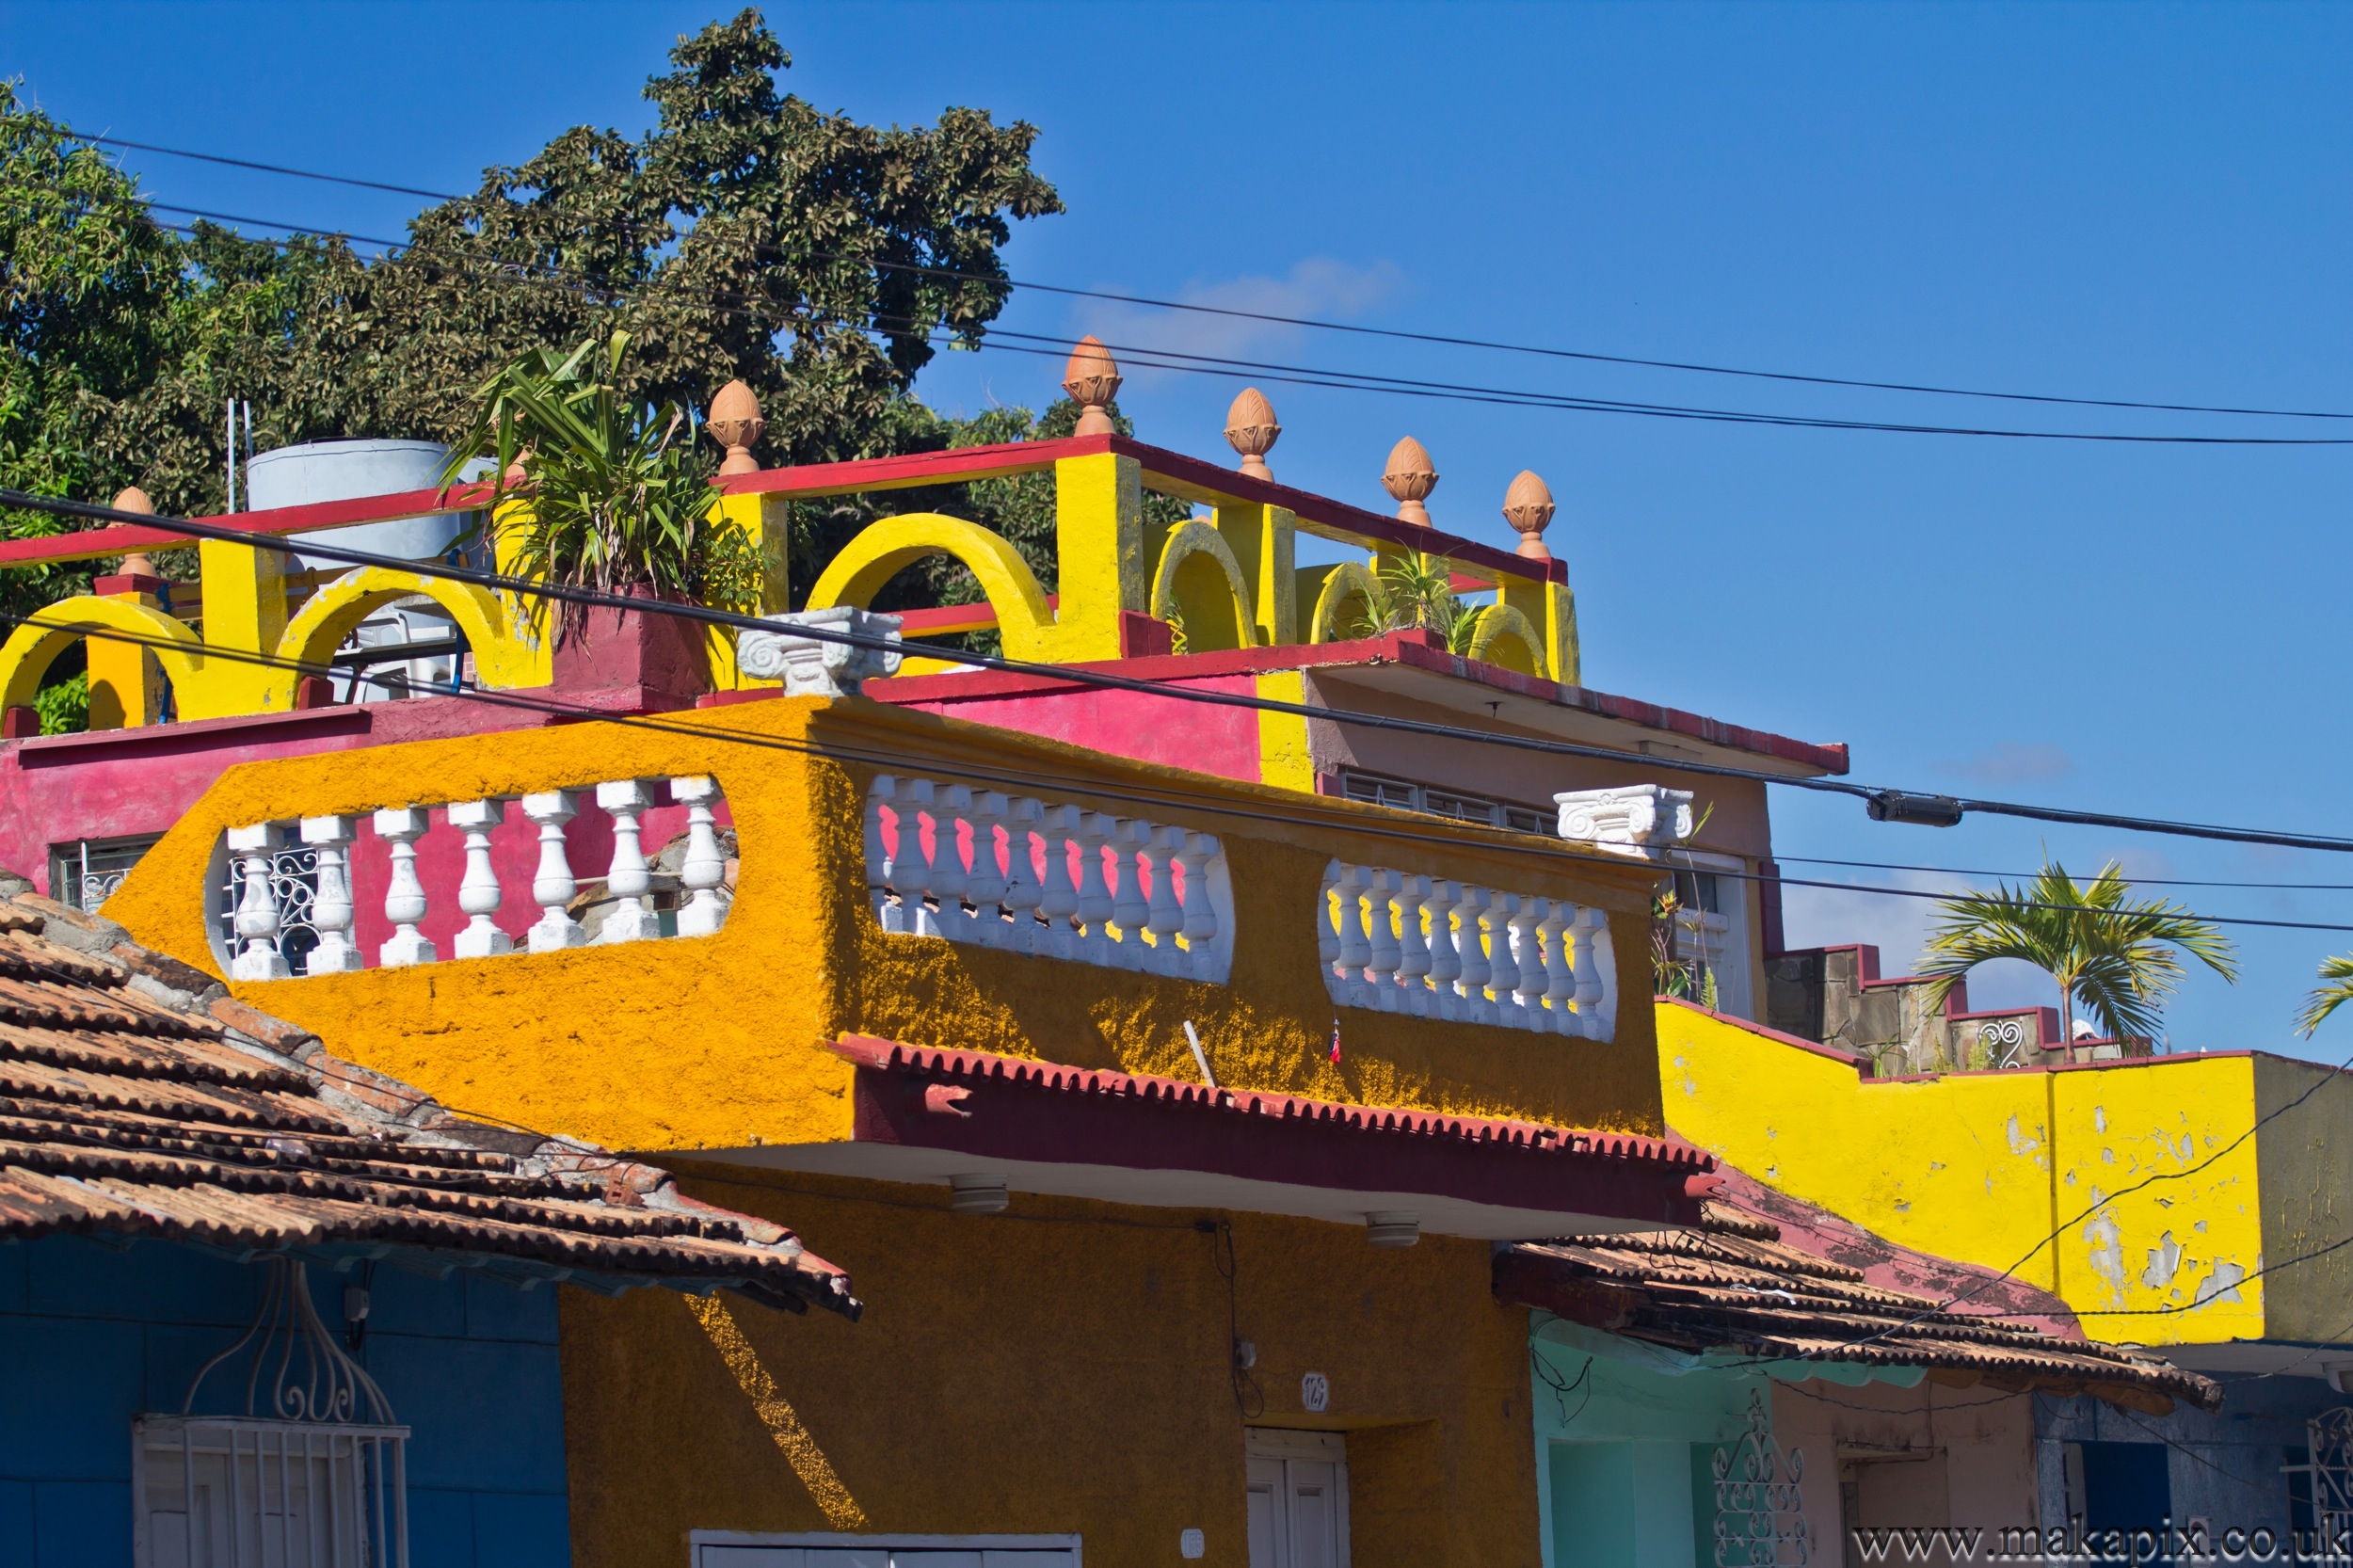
{"x":1183,"y":584}
{"x":504,"y":655}
{"x":882,"y":549}
{"x":1502,"y":635}
{"x":1345,"y":581}
{"x":27,"y":654}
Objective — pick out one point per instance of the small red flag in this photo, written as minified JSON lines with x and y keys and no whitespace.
{"x":1336,"y":1041}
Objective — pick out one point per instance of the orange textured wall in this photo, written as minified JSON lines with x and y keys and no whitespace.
{"x":1060,"y":1367}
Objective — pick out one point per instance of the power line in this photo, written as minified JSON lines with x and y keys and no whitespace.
{"x":1146,"y":357}
{"x":1356,"y":329}
{"x":2029,"y":876}
{"x":1880,"y":799}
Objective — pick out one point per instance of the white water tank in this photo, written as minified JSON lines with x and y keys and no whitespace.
{"x":346,"y":471}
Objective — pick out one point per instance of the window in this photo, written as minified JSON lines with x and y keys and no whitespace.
{"x":1404,"y":796}
{"x":733,"y":1550}
{"x":86,"y":872}
{"x":1298,"y":1498}
{"x":244,"y":1493}
{"x":1712,"y":929}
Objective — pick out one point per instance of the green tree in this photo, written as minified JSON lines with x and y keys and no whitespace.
{"x":2116,"y":956}
{"x":746,"y":235}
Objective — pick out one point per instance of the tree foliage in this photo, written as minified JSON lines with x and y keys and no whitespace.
{"x":2118,"y":956}
{"x":746,"y":235}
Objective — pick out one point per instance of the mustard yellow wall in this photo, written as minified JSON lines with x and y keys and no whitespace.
{"x":2307,"y":1186}
{"x":1061,"y":1367}
{"x":716,"y":1042}
{"x":1983,"y":1166}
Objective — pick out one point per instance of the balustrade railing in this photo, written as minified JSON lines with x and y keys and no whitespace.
{"x":1436,"y":949}
{"x":263,"y":914}
{"x":1019,"y":874}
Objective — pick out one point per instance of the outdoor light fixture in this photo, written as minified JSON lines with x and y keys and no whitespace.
{"x":1392,"y":1229}
{"x":1920,"y":810}
{"x":977,"y":1195}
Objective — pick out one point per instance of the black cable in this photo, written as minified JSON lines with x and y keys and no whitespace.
{"x":1441,"y":338}
{"x":2029,"y":876}
{"x":1249,"y":1398}
{"x":1551,"y":1379}
{"x":1106,"y":680}
{"x":1158,"y":358}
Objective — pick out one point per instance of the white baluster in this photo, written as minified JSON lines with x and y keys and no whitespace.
{"x":890,"y":915}
{"x":1413,"y":963}
{"x":987,"y":886}
{"x":1529,"y":993}
{"x":705,"y":866}
{"x":1131,"y":839}
{"x":1474,"y":910}
{"x":478,"y":892}
{"x":1381,"y":925}
{"x":1328,"y":928}
{"x":1355,"y":952}
{"x":1165,"y":917}
{"x":1445,"y":964}
{"x":553,"y":886}
{"x":1560,"y":984}
{"x":1593,"y":982}
{"x":1023,"y":891}
{"x":910,"y":867}
{"x":404,"y":897}
{"x":1059,"y":902}
{"x":950,"y":806}
{"x":1095,"y":894}
{"x":1194,"y":860}
{"x":631,"y":919}
{"x":255,"y":848}
{"x":1503,"y":970}
{"x":331,"y":907}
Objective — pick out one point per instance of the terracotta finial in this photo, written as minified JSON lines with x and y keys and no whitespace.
{"x":135,"y":564}
{"x":1409,"y":479}
{"x":1527,"y":507}
{"x":735,"y":424}
{"x":1251,"y":430}
{"x":1092,"y":378}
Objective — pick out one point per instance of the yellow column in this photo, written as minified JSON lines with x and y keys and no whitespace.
{"x":1551,"y":609}
{"x":1099,"y":543}
{"x":766,"y":521}
{"x":126,"y":684}
{"x":244,"y":609}
{"x":1263,"y":539}
{"x":1284,"y":758}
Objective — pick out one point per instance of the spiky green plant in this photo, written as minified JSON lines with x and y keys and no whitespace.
{"x":1411,"y":589}
{"x":2335,"y":991}
{"x":619,"y":497}
{"x":2118,"y":956}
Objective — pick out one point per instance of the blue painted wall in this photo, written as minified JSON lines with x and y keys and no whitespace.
{"x":91,"y":1336}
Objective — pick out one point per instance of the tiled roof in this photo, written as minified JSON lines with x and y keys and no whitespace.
{"x":1733,"y":1284}
{"x":951,"y":1066}
{"x":137,"y":1099}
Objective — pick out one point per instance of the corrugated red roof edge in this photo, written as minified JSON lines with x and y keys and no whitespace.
{"x":868,"y":1051}
{"x":1420,"y":649}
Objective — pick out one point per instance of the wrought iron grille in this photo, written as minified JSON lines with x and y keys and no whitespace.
{"x":312,"y":1474}
{"x":2331,"y":1434}
{"x":1760,"y":1522}
{"x":86,"y":872}
{"x":294,"y":882}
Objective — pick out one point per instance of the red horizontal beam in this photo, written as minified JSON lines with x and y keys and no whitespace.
{"x":122,"y":538}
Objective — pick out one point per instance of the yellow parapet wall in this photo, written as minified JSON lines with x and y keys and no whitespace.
{"x":2166,"y":1199}
{"x":716,"y":1042}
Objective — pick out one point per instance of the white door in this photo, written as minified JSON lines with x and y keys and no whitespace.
{"x":1298,"y":1498}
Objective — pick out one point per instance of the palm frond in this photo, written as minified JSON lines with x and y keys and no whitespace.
{"x":2335,"y":991}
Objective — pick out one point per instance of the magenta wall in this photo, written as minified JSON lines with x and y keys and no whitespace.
{"x":1142,"y":725}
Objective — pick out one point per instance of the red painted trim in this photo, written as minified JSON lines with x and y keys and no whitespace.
{"x":1041,"y":1111}
{"x":1420,"y":650}
{"x":122,"y":538}
{"x":106,"y":745}
{"x":1812,"y":1048}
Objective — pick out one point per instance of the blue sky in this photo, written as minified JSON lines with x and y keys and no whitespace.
{"x":2144,"y":202}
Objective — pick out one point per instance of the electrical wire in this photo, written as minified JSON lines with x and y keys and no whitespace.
{"x":531,"y":587}
{"x":2029,"y":876}
{"x":1002,"y":340}
{"x":1356,"y":329}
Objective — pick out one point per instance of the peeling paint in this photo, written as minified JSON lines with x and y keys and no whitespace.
{"x":2099,"y":1119}
{"x":2165,"y":1261}
{"x":2221,"y":1284}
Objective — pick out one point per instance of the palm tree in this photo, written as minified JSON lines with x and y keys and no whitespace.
{"x":2114,"y":954}
{"x":2334,"y":992}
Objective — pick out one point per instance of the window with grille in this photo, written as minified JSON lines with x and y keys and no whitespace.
{"x":86,"y":872}
{"x":1405,"y":795}
{"x":248,"y":1493}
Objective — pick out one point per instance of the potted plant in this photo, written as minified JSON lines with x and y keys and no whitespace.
{"x":612,"y":496}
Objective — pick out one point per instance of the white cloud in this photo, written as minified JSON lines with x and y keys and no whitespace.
{"x":1320,"y":287}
